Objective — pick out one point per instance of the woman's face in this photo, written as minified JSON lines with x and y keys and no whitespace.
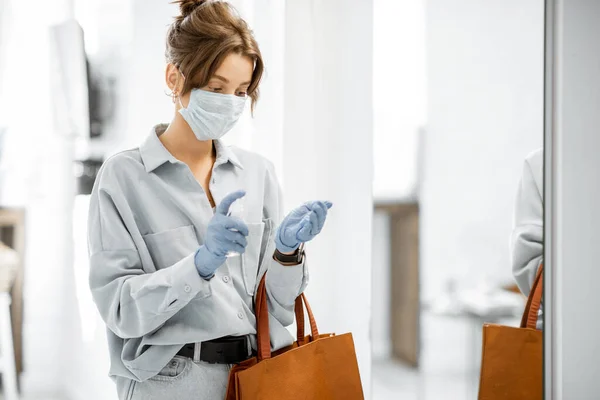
{"x":233,"y":76}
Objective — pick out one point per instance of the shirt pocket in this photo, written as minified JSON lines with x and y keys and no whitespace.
{"x":168,"y":247}
{"x":251,"y":257}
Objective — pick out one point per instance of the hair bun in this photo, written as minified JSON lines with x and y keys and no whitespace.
{"x":186,"y":7}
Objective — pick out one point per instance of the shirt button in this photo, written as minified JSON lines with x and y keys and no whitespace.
{"x":173,"y":363}
{"x":240,"y":315}
{"x":187,"y":288}
{"x":225,"y":279}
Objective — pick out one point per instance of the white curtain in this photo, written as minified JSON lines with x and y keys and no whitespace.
{"x":328,"y":153}
{"x":315,"y":122}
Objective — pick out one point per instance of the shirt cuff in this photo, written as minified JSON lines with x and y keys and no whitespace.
{"x":293,"y":278}
{"x":186,"y":280}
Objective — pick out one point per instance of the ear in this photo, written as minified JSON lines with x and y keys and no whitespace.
{"x":173,"y":79}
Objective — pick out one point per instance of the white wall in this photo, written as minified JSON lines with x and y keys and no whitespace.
{"x":484,"y":115}
{"x":571,"y":330}
{"x":485,"y":110}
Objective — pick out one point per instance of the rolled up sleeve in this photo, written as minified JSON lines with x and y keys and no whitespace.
{"x":527,"y":236}
{"x":131,"y":301}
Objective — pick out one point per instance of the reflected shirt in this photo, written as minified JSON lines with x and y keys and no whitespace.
{"x":527,"y":238}
{"x":148,"y":216}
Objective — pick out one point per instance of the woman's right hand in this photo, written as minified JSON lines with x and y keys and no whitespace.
{"x":224,"y":234}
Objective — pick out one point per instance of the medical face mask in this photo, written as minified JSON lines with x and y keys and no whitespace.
{"x":212,"y":115}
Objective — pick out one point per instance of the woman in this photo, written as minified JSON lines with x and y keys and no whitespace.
{"x":527,"y":245}
{"x":178,"y":307}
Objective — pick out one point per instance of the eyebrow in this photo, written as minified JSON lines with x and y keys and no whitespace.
{"x":225,"y":80}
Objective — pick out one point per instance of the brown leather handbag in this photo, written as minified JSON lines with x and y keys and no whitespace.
{"x":318,"y":366}
{"x":512,"y":360}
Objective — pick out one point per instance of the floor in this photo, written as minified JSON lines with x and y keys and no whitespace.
{"x":394,"y":381}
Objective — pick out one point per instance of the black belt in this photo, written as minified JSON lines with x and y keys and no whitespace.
{"x":225,"y":350}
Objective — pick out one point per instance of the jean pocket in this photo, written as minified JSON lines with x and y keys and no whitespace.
{"x":175,"y":369}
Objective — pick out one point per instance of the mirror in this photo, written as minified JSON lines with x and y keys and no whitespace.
{"x":458,"y":132}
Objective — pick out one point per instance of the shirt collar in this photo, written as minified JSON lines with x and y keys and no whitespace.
{"x":154,"y":154}
{"x":226,"y":154}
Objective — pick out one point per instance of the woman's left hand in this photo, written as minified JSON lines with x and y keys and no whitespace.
{"x":301,"y":225}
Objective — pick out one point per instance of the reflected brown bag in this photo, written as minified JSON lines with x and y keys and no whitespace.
{"x":319,"y":366}
{"x":511,"y":366}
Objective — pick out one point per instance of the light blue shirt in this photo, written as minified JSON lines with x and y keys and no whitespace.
{"x":148,"y":216}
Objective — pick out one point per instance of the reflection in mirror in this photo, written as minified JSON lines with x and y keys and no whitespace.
{"x":458,"y":121}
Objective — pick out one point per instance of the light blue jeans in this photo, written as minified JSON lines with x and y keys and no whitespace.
{"x":182,"y":378}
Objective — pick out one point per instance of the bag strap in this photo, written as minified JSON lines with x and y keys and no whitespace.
{"x":261,"y":310}
{"x":299,"y":310}
{"x":534,"y":301}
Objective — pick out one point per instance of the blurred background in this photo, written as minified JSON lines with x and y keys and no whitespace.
{"x":416,"y":116}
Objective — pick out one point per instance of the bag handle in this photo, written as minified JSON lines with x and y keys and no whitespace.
{"x":534,"y":301}
{"x":261,"y":310}
{"x":299,"y":310}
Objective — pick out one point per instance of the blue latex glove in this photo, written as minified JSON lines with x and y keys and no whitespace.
{"x":223,"y":235}
{"x":301,"y":225}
